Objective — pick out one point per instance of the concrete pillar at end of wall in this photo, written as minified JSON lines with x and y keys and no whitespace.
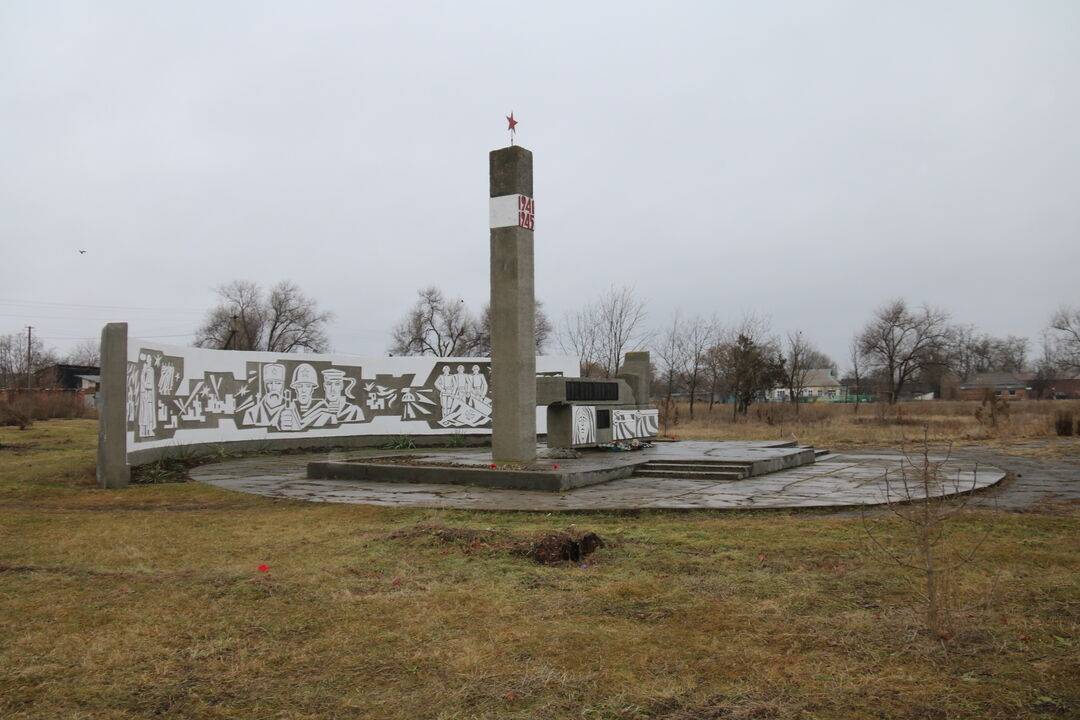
{"x":637,"y":373}
{"x":513,"y":307}
{"x":112,"y":467}
{"x":560,"y":426}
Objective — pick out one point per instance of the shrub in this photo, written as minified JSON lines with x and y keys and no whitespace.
{"x":15,"y":413}
{"x":1063,"y":424}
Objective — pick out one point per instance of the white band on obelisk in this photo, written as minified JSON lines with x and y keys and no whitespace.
{"x":513,"y":211}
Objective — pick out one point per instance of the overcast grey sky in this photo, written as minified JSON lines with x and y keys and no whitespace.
{"x":806,"y":161}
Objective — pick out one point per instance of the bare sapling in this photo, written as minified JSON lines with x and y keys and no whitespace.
{"x":924,"y":495}
{"x":669,"y":414}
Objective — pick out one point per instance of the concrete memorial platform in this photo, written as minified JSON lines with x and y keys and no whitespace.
{"x":691,"y":460}
{"x":835,"y":480}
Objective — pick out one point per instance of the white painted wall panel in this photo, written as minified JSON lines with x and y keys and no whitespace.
{"x":181,"y":395}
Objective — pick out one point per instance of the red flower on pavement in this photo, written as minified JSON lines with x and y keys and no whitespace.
{"x":492,"y":466}
{"x":556,"y":466}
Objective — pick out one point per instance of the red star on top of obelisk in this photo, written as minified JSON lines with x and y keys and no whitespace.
{"x":511,"y":124}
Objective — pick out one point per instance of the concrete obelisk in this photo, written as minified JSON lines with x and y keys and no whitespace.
{"x":513,"y":307}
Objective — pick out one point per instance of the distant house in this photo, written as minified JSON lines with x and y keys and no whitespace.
{"x":1059,"y":385}
{"x":818,"y":383}
{"x":999,"y":384}
{"x":86,"y":378}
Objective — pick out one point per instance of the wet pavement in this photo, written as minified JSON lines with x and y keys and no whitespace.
{"x":835,"y":480}
{"x":1032,"y":481}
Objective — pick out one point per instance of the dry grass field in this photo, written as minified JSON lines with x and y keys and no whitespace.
{"x":839,"y":426}
{"x":148,"y":602}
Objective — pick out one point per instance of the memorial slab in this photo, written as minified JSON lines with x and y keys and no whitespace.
{"x":842,"y":480}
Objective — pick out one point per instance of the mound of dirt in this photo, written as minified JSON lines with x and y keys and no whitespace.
{"x":565,"y":546}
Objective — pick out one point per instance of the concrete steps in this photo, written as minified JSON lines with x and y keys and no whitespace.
{"x":695,"y":469}
{"x":791,"y":455}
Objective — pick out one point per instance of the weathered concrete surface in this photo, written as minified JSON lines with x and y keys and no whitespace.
{"x":594,"y":467}
{"x":301,"y":442}
{"x":1035,"y":481}
{"x":112,"y":465}
{"x":549,"y":481}
{"x":513,"y":321}
{"x":834,"y":480}
{"x":637,"y":371}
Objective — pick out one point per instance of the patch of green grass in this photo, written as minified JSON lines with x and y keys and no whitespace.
{"x":400,"y":442}
{"x":147,"y":601}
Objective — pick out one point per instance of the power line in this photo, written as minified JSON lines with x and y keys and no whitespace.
{"x":56,"y":317}
{"x":85,"y":306}
{"x":150,"y":337}
{"x":90,"y":337}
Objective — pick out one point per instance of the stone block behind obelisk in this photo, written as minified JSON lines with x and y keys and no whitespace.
{"x":513,"y":307}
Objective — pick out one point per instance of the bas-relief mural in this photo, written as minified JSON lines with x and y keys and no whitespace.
{"x":584,"y":427}
{"x":295,"y":395}
{"x":630,"y":424}
{"x":625,"y":424}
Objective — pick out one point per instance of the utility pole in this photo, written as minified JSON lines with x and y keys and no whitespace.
{"x":29,"y":335}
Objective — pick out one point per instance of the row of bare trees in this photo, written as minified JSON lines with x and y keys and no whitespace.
{"x":700,"y":357}
{"x":704,"y":359}
{"x":901,"y":344}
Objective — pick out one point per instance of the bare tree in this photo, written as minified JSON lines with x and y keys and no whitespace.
{"x":16,"y":366}
{"x":1065,"y":329}
{"x":900,"y":343}
{"x":247,"y":318}
{"x":1046,"y":366}
{"x":436,"y":325}
{"x":1010,"y":353}
{"x":86,"y":352}
{"x":543,"y":329}
{"x":580,"y":336}
{"x":856,"y":371}
{"x":293,"y":322}
{"x":669,"y":353}
{"x":602,"y":332}
{"x":796,"y":366}
{"x":969,"y":352}
{"x":237,"y":322}
{"x":715,"y":374}
{"x":697,"y":336}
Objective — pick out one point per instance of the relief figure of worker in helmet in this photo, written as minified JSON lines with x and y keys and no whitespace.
{"x":302,"y":409}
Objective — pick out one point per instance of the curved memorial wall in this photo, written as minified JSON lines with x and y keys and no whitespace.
{"x":183,"y":399}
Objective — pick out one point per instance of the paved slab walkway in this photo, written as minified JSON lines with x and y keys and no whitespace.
{"x":834,"y":480}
